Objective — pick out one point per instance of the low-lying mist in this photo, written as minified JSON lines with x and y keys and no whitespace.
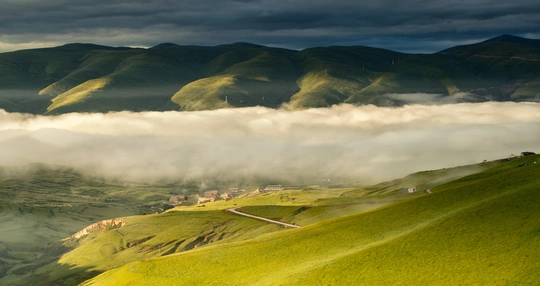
{"x":343,"y":143}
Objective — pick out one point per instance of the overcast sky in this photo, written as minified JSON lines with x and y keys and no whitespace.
{"x":407,"y":26}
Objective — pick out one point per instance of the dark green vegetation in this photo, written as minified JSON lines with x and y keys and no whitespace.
{"x":481,"y":229}
{"x":91,"y":78}
{"x":39,"y":205}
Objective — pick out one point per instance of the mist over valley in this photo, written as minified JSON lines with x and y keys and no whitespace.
{"x":257,"y":145}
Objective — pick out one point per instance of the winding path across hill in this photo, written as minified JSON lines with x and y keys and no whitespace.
{"x":236,"y":211}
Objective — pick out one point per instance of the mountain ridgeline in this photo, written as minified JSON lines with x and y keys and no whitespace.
{"x":93,"y":78}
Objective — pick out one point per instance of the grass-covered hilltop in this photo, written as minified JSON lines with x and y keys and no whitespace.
{"x":92,"y":78}
{"x":481,"y":229}
{"x":469,"y":225}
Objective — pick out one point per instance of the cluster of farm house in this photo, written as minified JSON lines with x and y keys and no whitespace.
{"x":215,"y":195}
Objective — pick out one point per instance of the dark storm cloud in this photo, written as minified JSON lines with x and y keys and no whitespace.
{"x":406,"y":26}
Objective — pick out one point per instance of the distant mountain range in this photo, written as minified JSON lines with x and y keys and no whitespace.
{"x":93,"y":78}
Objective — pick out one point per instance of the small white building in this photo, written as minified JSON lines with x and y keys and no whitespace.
{"x":176,"y":200}
{"x":211,"y":194}
{"x":273,"y":188}
{"x":205,"y":200}
{"x":226,"y":196}
{"x":412,"y":190}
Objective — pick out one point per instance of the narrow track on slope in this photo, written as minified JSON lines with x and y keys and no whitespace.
{"x":236,"y":211}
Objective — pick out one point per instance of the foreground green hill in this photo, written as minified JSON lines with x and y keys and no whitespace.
{"x":145,"y":237}
{"x":482,"y":229}
{"x":92,"y":78}
{"x":41,"y":204}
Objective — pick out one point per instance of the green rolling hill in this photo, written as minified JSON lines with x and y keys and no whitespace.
{"x":479,"y":225}
{"x":480,"y":229}
{"x":41,"y":204}
{"x":92,"y":78}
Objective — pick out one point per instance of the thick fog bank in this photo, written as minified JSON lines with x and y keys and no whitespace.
{"x":359,"y":144}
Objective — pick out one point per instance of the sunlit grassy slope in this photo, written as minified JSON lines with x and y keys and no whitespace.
{"x":177,"y":230}
{"x":313,"y":206}
{"x":172,"y":77}
{"x":248,"y":77}
{"x":482,"y":229}
{"x":343,"y":74}
{"x":146,"y":237}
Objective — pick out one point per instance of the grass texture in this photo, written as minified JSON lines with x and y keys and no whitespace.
{"x":481,"y":229}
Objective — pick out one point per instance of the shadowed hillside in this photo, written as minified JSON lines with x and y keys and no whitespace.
{"x":41,"y":204}
{"x":92,"y":78}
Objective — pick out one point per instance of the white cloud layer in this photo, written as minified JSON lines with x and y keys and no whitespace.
{"x":343,"y":143}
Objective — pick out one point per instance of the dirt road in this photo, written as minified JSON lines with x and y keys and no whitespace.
{"x":236,"y":211}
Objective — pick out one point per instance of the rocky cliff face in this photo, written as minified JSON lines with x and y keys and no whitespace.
{"x":102,"y":225}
